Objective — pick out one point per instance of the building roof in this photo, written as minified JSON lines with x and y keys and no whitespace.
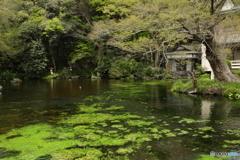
{"x":184,"y":51}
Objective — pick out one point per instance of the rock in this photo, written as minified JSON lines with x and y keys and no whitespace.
{"x":16,"y":80}
{"x":1,"y":87}
{"x":95,"y":77}
{"x":192,"y":92}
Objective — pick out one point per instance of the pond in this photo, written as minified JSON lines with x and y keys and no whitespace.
{"x":113,"y":119}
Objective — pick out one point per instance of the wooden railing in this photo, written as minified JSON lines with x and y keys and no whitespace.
{"x":235,"y":64}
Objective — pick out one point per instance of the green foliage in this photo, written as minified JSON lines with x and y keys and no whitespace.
{"x":36,"y":61}
{"x":82,"y":50}
{"x":237,"y":72}
{"x":8,"y":75}
{"x":182,"y":86}
{"x":123,"y":68}
{"x":104,"y":64}
{"x":232,"y":91}
{"x":207,"y":157}
{"x":148,"y":72}
{"x":229,"y":64}
{"x":199,"y":69}
{"x":208,"y":86}
{"x":53,"y":26}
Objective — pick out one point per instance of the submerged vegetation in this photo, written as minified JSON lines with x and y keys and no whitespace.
{"x":105,"y":128}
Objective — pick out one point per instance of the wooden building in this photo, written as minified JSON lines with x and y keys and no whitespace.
{"x":184,"y":59}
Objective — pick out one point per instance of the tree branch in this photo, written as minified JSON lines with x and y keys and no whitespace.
{"x":218,"y":5}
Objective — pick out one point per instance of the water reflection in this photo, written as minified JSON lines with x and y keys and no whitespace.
{"x":37,"y":96}
{"x":206,"y":109}
{"x":213,"y":108}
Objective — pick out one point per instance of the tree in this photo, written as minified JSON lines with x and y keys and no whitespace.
{"x":136,"y":27}
{"x":215,"y":56}
{"x":10,"y":45}
{"x":167,"y":24}
{"x":36,"y":61}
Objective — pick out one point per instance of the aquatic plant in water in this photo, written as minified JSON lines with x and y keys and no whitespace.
{"x":95,"y":133}
{"x":124,"y":150}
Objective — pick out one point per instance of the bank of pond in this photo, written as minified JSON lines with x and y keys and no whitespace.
{"x":206,"y":86}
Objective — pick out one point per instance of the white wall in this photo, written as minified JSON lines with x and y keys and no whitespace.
{"x":205,"y":62}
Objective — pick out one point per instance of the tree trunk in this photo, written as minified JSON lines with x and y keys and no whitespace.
{"x":53,"y":59}
{"x":218,"y":63}
{"x":157,"y":55}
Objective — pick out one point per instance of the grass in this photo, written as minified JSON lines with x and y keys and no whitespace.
{"x":208,"y":86}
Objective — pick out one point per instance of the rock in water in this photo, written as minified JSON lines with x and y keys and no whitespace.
{"x":16,"y":80}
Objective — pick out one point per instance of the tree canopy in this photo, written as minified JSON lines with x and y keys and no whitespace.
{"x":93,"y":34}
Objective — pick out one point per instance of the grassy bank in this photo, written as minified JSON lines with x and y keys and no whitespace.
{"x":208,"y":86}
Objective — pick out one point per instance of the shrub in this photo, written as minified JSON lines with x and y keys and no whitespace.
{"x":237,"y":72}
{"x":8,"y":75}
{"x":35,"y":60}
{"x":229,"y":64}
{"x":199,"y":69}
{"x":123,"y":68}
{"x":182,"y":86}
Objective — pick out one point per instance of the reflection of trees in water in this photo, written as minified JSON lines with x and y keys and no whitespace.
{"x":192,"y":106}
{"x":220,"y":110}
{"x":158,"y":96}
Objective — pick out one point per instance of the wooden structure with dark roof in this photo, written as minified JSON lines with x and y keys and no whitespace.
{"x":183,"y":59}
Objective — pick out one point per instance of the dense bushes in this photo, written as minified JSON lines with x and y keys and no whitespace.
{"x":129,"y":68}
{"x":35,"y":61}
{"x":124,"y":68}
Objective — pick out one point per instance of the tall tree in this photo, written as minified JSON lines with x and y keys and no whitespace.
{"x":137,"y":28}
{"x":167,"y":24}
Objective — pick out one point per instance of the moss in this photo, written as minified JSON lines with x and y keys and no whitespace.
{"x":35,"y":141}
{"x":139,"y":123}
{"x":83,"y":129}
{"x":171,"y":135}
{"x":92,"y":98}
{"x":90,"y":109}
{"x":206,"y":157}
{"x":134,"y":136}
{"x":232,"y":141}
{"x":80,"y":153}
{"x":91,"y":136}
{"x":182,"y":132}
{"x":207,"y":136}
{"x":114,"y":107}
{"x":187,"y":120}
{"x":176,"y":117}
{"x":154,"y":130}
{"x":92,"y":118}
{"x":108,"y":141}
{"x":156,"y":136}
{"x":233,"y":132}
{"x":165,"y":131}
{"x":206,"y":128}
{"x":124,"y":150}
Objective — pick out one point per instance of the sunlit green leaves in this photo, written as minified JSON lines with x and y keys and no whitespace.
{"x":53,"y":26}
{"x":82,"y":50}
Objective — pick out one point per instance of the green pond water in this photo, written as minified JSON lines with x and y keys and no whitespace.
{"x":114,"y":120}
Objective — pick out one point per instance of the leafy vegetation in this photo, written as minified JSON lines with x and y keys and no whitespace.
{"x":108,"y":39}
{"x":208,"y":86}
